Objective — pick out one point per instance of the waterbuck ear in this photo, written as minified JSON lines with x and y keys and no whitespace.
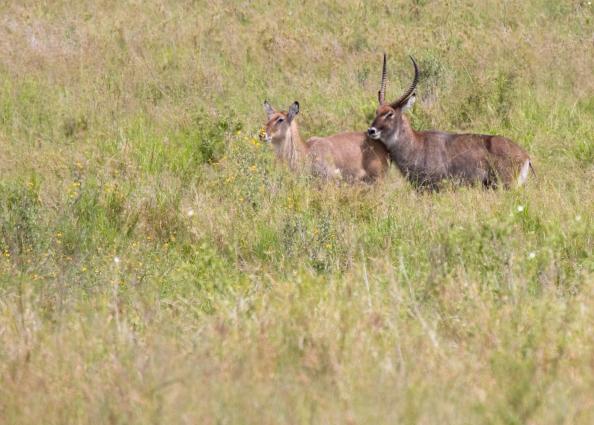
{"x":293,"y":111}
{"x":410,"y":102}
{"x":269,"y":109}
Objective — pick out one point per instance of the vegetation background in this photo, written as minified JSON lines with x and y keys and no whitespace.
{"x":158,"y":266}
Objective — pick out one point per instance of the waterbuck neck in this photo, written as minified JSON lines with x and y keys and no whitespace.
{"x":292,"y":149}
{"x":405,"y":147}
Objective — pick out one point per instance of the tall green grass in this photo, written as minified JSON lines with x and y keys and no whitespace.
{"x":157,"y":265}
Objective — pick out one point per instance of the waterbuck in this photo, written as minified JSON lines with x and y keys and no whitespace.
{"x":428,"y":157}
{"x":350,"y":156}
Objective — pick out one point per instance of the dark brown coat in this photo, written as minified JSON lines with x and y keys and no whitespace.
{"x":427,"y":158}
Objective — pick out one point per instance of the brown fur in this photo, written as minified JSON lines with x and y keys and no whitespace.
{"x":350,"y":156}
{"x":428,"y":157}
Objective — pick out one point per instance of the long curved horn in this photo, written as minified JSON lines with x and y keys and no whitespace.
{"x":381,"y":94}
{"x":412,"y":87}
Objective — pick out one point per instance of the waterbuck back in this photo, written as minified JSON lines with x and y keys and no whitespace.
{"x":427,"y":158}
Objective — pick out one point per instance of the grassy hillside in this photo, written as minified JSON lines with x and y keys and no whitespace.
{"x":158,"y":266}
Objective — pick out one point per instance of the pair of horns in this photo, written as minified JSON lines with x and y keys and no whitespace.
{"x":381,"y":94}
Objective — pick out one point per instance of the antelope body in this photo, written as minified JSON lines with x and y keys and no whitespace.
{"x":351,"y":156}
{"x":428,"y":157}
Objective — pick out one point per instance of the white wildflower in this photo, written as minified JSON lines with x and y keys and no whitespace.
{"x":190,"y":212}
{"x":520,"y":208}
{"x":531,"y":255}
{"x":116,"y":260}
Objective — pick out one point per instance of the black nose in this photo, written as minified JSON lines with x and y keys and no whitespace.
{"x":371,"y":131}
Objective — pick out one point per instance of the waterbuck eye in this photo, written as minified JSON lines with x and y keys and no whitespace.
{"x":278,"y":121}
{"x":389,"y":115}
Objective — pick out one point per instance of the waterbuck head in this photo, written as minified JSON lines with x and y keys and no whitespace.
{"x":278,"y":126}
{"x":388,"y":120}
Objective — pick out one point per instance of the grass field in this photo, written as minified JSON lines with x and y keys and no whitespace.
{"x":158,"y":266}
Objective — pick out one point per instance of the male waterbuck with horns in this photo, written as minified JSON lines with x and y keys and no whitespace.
{"x":428,"y":157}
{"x":351,"y":156}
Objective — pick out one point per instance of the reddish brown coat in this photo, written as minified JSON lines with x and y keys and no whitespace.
{"x":351,"y":156}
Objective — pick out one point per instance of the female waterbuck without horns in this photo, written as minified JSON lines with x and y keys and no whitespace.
{"x":428,"y":157}
{"x":351,"y":156}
